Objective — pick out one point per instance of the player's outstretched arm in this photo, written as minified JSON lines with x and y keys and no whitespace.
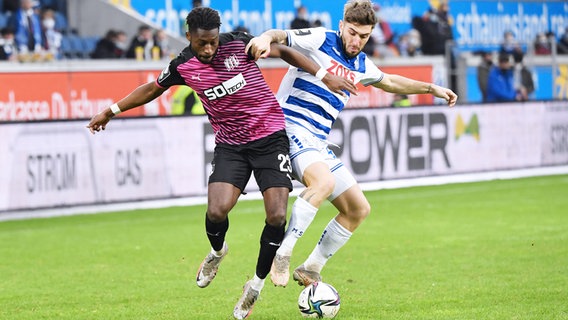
{"x":292,"y":56}
{"x":141,"y":95}
{"x":398,"y":84}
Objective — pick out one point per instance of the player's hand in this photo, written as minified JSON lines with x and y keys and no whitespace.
{"x":99,"y":121}
{"x":446,"y":94}
{"x":339,"y":85}
{"x":258,"y":47}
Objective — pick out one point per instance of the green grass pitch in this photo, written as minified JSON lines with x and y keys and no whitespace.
{"x":487,"y":250}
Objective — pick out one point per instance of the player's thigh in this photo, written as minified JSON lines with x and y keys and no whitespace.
{"x":270,"y":160}
{"x":275,"y":204}
{"x":230,"y":165}
{"x":344,"y":180}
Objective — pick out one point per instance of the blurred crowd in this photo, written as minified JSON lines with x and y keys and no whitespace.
{"x":38,"y":30}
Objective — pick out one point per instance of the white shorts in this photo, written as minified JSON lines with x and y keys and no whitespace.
{"x":305,"y":149}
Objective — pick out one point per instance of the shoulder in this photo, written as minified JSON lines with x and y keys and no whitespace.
{"x":185,"y":55}
{"x":320,"y":32}
{"x":227,"y":37}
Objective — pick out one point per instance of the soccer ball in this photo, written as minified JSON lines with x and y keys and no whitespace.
{"x":319,"y":300}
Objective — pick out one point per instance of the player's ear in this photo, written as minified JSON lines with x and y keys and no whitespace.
{"x":188,"y":36}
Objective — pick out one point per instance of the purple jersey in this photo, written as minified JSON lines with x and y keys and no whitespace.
{"x":240,"y":105}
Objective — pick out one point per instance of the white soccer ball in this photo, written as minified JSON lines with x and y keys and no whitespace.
{"x":319,"y":300}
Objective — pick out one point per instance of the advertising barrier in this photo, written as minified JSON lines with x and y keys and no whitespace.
{"x":70,"y":92}
{"x":60,"y":164}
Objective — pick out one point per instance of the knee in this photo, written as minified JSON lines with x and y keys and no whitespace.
{"x":217,"y":213}
{"x":366,"y":210}
{"x":276,"y":214}
{"x":362,"y":211}
{"x":276,"y":219}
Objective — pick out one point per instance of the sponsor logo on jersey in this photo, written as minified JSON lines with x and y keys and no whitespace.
{"x":228,"y":87}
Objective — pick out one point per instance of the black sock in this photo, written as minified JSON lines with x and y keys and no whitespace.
{"x":270,"y":241}
{"x":216,"y":232}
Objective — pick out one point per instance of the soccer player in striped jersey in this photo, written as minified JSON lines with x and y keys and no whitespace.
{"x":310,"y":110}
{"x":249,"y":131}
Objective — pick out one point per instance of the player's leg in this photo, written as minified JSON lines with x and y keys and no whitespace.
{"x":269,"y":158}
{"x":353,"y":209}
{"x":319,"y":183}
{"x":221,"y":198}
{"x":226,"y":182}
{"x":309,"y":166}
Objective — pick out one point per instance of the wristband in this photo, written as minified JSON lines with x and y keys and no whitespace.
{"x":115,"y":109}
{"x":429,"y":88}
{"x":321,"y":73}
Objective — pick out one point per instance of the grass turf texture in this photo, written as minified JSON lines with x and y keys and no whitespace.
{"x":488,"y":250}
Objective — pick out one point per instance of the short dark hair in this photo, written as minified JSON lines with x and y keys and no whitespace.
{"x":504,"y":57}
{"x":203,"y":18}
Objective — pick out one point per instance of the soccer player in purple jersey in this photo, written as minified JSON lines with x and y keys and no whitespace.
{"x":249,"y":134}
{"x":310,"y":111}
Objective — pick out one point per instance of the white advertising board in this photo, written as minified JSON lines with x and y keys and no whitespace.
{"x":60,"y":164}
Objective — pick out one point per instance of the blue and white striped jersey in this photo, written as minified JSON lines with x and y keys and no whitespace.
{"x":305,"y":100}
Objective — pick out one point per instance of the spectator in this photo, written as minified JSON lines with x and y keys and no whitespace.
{"x":522,"y":76}
{"x":7,"y":45}
{"x":509,"y":44}
{"x":500,"y":84}
{"x":162,"y":43}
{"x":542,"y":45}
{"x":185,"y":101}
{"x":27,"y":28}
{"x":435,"y":28}
{"x":562,"y":45}
{"x":401,"y":100}
{"x":112,"y":46}
{"x":141,"y":44}
{"x":382,"y":37}
{"x":483,"y":73}
{"x":409,"y":44}
{"x":301,"y":20}
{"x":51,"y":38}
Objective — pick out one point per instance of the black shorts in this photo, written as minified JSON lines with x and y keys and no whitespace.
{"x":267,"y":157}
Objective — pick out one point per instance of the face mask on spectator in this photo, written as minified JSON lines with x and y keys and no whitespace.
{"x":121,"y":45}
{"x":48,"y":23}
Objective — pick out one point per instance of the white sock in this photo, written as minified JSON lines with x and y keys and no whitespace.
{"x":257,"y":283}
{"x":302,"y":215}
{"x":334,"y":237}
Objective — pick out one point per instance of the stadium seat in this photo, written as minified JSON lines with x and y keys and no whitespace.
{"x":60,"y":21}
{"x":3,"y":20}
{"x":66,"y":48}
{"x":77,"y":46}
{"x":89,"y":44}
